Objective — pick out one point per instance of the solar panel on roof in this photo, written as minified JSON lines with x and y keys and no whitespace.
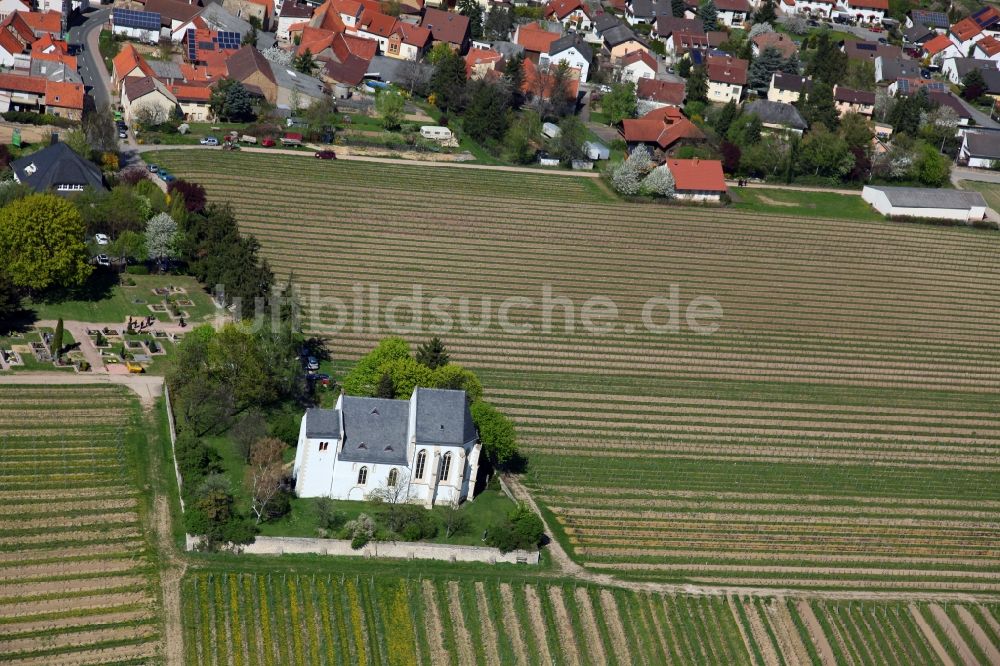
{"x":132,"y":18}
{"x":229,"y":40}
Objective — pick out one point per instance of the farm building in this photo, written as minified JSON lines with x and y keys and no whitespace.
{"x":924,"y":202}
{"x":134,"y":24}
{"x":429,"y":443}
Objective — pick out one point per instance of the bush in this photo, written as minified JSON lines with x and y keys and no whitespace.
{"x":329,"y":517}
{"x":522,"y":529}
{"x":137,"y":269}
{"x":30,"y":118}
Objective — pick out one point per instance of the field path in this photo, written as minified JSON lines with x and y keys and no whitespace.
{"x":512,"y":628}
{"x":436,"y":638}
{"x":931,"y":637}
{"x":613,"y":619}
{"x":595,"y":647}
{"x":992,"y":653}
{"x":816,"y":633}
{"x":759,"y":631}
{"x":466,"y":655}
{"x":537,"y":623}
{"x":147,"y":387}
{"x":489,"y":631}
{"x":951,"y":631}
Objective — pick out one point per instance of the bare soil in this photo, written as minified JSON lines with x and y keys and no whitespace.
{"x":537,"y":624}
{"x":564,"y":626}
{"x":612,"y":618}
{"x":436,"y":634}
{"x":931,"y":637}
{"x":816,"y":633}
{"x":466,"y":655}
{"x":511,"y":625}
{"x":489,"y":631}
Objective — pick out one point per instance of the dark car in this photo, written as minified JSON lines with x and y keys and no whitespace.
{"x":325,"y":155}
{"x":322,"y":378}
{"x":167,"y":176}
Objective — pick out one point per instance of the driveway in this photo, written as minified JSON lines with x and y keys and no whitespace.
{"x":964,"y":173}
{"x":95,"y":74}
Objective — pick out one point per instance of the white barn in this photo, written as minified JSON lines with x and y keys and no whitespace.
{"x":429,"y":443}
{"x":926,"y":202}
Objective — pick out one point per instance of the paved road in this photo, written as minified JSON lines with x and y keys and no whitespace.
{"x":92,"y":69}
{"x":964,"y":173}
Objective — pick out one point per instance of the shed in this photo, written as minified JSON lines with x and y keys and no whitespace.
{"x":551,"y":130}
{"x":926,"y":202}
{"x":582,"y":165}
{"x":547,"y":160}
{"x":596,"y":151}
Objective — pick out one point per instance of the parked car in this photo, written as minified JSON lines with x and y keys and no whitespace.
{"x":322,"y":378}
{"x":122,"y":134}
{"x":326,"y":155}
{"x":101,"y":239}
{"x":153,"y":168}
{"x":312,"y":364}
{"x":268,"y":142}
{"x":102,"y":260}
{"x":167,"y":176}
{"x":209,"y":141}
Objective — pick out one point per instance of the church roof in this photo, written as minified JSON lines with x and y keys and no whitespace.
{"x":322,"y":423}
{"x":375,"y":430}
{"x":443,"y":417}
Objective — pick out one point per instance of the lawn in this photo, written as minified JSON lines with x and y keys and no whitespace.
{"x":990,"y":191}
{"x":803,"y":204}
{"x":837,"y":429}
{"x":104,"y":300}
{"x":109,"y":46}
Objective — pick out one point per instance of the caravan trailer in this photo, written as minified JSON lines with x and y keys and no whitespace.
{"x":435,"y":132}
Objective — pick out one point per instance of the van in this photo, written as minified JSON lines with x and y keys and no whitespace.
{"x":435,"y":132}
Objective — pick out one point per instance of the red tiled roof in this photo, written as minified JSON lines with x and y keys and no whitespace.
{"x":446,"y":26}
{"x":666,"y":92}
{"x":191,"y":93}
{"x":64,"y":95}
{"x":535,"y":38}
{"x":722,"y":69}
{"x":989,"y":45}
{"x":732,"y":5}
{"x":966,"y":29}
{"x":50,"y":22}
{"x":21,"y":83}
{"x":937,"y":44}
{"x":350,"y":70}
{"x":377,"y":24}
{"x":414,"y":35}
{"x":13,"y":25}
{"x":639,"y":56}
{"x":869,"y":4}
{"x":315,"y":40}
{"x":328,"y":18}
{"x":480,"y":56}
{"x":563,"y":8}
{"x":664,"y":127}
{"x":359,"y":46}
{"x":775,"y":40}
{"x":128,"y":59}
{"x":55,"y":56}
{"x":697,"y":175}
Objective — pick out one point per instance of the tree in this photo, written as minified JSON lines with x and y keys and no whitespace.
{"x":725,"y":118}
{"x":709,"y":15}
{"x":627,"y":177}
{"x":231,"y":102}
{"x":265,"y":476}
{"x":746,"y":130}
{"x":10,"y":298}
{"x":697,"y":85}
{"x":855,"y":130}
{"x":823,"y":153}
{"x":361,"y":530}
{"x":250,"y":39}
{"x":432,"y":354}
{"x":522,"y":138}
{"x":393,"y":491}
{"x":791,"y":64}
{"x":658,"y":181}
{"x":731,"y":155}
{"x":620,"y":103}
{"x":763,"y":68}
{"x":252,"y":427}
{"x":568,"y":145}
{"x":827,"y":63}
{"x":860,"y":75}
{"x":684,"y":68}
{"x":486,"y":117}
{"x":161,"y":236}
{"x":766,"y":13}
{"x":57,"y":340}
{"x":195,"y":198}
{"x":78,"y":142}
{"x":386,"y":387}
{"x":906,"y":112}
{"x":522,"y":529}
{"x":389,"y":105}
{"x":499,"y":23}
{"x":513,"y":77}
{"x":819,"y":108}
{"x":439,"y":52}
{"x":99,"y":126}
{"x":677,"y":8}
{"x":973,"y":85}
{"x":448,"y":82}
{"x":41,"y":243}
{"x":931,"y":168}
{"x":366,"y":374}
{"x":797,"y":25}
{"x":760,"y":28}
{"x":474,"y":12}
{"x":455,"y":520}
{"x":304,"y":62}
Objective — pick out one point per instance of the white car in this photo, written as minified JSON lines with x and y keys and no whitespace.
{"x":209,"y":141}
{"x":102,"y":260}
{"x":101,"y":239}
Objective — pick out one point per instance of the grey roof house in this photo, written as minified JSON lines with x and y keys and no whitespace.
{"x":892,"y":69}
{"x":57,"y":168}
{"x":777,"y":115}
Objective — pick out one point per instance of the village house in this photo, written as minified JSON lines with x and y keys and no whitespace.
{"x":57,"y":168}
{"x":733,"y":13}
{"x":480,"y":63}
{"x":8,"y":7}
{"x":787,"y":88}
{"x":194,"y":101}
{"x":660,"y":129}
{"x":777,"y":116}
{"x":638,"y":12}
{"x":656,"y":93}
{"x":780,"y":42}
{"x":621,"y":41}
{"x":135,"y":24}
{"x":638,"y":65}
{"x":680,"y":35}
{"x":848,"y":100}
{"x":980,"y":150}
{"x":535,"y":39}
{"x":956,"y":69}
{"x":64,"y":99}
{"x":937,"y":21}
{"x":987,"y":48}
{"x":292,"y":14}
{"x":964,"y":34}
{"x":16,"y":38}
{"x":174,"y":15}
{"x":428,"y":444}
{"x":939,"y":48}
{"x":572,"y":14}
{"x":447,"y":27}
{"x":697,"y":180}
{"x":573,"y":51}
{"x":727,"y":77}
{"x":146,"y":99}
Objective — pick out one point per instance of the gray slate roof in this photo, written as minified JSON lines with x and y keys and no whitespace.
{"x":322,"y":423}
{"x":219,"y":18}
{"x":375,"y":430}
{"x":991,"y":75}
{"x":618,"y":35}
{"x":55,"y":71}
{"x":983,"y":144}
{"x":165,"y":69}
{"x":898,"y":68}
{"x":308,"y":86}
{"x":605,"y":22}
{"x":927,"y":197}
{"x":57,"y":165}
{"x":776,"y":113}
{"x":391,"y":70}
{"x":918,"y":34}
{"x":443,"y":417}
{"x":571,"y":40}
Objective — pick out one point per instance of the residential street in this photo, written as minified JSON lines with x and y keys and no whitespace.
{"x":92,"y":69}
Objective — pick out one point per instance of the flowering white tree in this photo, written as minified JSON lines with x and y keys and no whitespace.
{"x":659,"y":181}
{"x":277,"y":56}
{"x":760,"y":29}
{"x":161,"y":236}
{"x":627,"y":177}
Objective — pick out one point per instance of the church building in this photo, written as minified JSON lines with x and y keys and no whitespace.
{"x":428,"y":443}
